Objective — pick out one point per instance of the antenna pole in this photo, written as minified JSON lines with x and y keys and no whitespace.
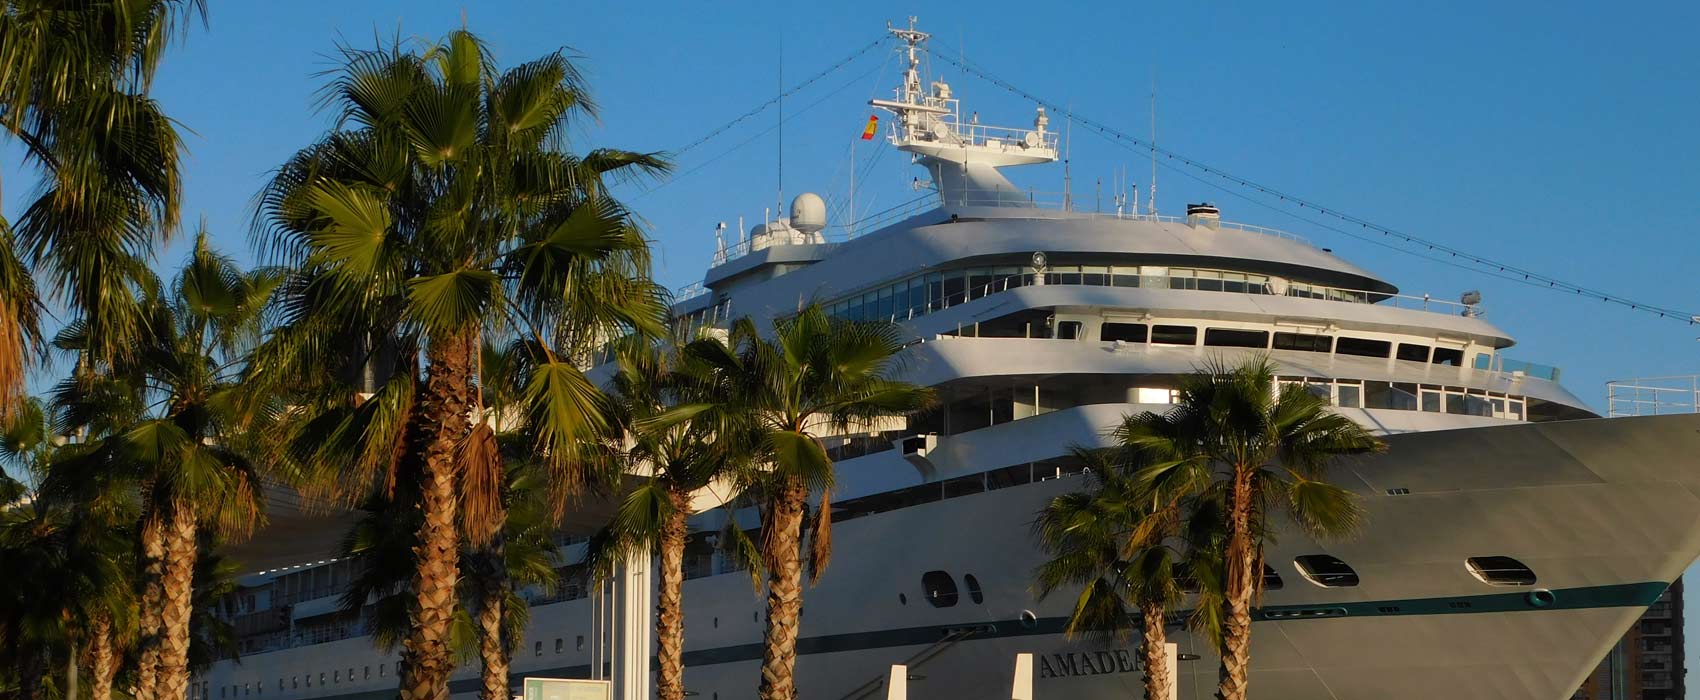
{"x":779,"y":194}
{"x":1151,"y":206}
{"x":1068,"y":147}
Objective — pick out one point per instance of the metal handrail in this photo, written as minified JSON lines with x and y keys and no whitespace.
{"x":1651,"y":396}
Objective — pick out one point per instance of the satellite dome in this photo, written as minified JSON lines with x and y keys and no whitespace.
{"x":808,"y":213}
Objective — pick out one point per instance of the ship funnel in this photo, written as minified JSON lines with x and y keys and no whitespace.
{"x":1205,"y":214}
{"x":808,"y":213}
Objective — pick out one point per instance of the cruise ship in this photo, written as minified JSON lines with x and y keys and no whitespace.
{"x":1512,"y":533}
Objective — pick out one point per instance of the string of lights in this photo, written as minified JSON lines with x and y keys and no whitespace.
{"x":1481,"y":263}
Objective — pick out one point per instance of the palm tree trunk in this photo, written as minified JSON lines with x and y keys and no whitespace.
{"x":426,"y":653}
{"x":101,"y":665}
{"x":1241,"y":557}
{"x":177,"y":604}
{"x":669,"y":610}
{"x":492,"y":616}
{"x":71,"y":679}
{"x":1155,"y":647}
{"x":153,"y":576}
{"x":783,"y":542}
{"x":491,"y":648}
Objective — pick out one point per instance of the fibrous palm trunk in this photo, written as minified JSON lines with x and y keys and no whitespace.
{"x":669,"y":610}
{"x":1241,"y":557}
{"x":491,"y":647}
{"x":177,"y":604}
{"x":101,"y":658}
{"x":426,"y":653}
{"x":492,"y":614}
{"x":1155,"y":647}
{"x":153,"y":577}
{"x":782,"y":543}
{"x":31,"y":671}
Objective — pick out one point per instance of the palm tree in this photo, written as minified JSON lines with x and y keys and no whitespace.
{"x":443,"y":215}
{"x":814,"y":376}
{"x":74,"y":81}
{"x":1236,"y":438}
{"x":1113,"y":540}
{"x":188,"y":449}
{"x":681,"y":458}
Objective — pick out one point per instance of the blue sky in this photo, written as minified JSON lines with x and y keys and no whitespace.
{"x":1558,"y":136}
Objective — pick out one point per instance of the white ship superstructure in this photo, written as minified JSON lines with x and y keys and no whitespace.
{"x":1512,"y":534}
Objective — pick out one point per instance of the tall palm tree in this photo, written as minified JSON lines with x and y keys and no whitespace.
{"x":445,"y":213}
{"x":681,"y":458}
{"x":189,"y":450}
{"x":1236,"y":438}
{"x":815,"y":375}
{"x":1114,"y":540}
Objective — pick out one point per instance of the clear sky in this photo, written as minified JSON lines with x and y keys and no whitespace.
{"x":1558,"y":136}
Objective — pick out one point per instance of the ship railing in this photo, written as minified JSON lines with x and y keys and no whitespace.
{"x":959,"y":133}
{"x":1653,"y":396}
{"x":902,"y":311}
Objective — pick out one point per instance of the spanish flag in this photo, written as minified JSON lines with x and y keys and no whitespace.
{"x":873,"y":127}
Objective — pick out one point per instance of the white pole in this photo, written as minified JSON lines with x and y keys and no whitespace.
{"x":632,"y":628}
{"x":1172,"y":657}
{"x":1023,"y":689}
{"x":897,"y":685}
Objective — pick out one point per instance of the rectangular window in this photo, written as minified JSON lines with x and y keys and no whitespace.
{"x":917,"y":304}
{"x":1236,"y":338}
{"x":1155,"y":396}
{"x":855,"y":308}
{"x":1209,"y":281}
{"x":1430,"y":401}
{"x":1064,"y":274}
{"x":1453,"y":357}
{"x":1095,"y":275}
{"x":1413,"y":353}
{"x":1006,"y":278}
{"x":953,"y":288}
{"x":1124,"y":276}
{"x":935,"y":291}
{"x":1303,"y":341}
{"x":1068,"y":330}
{"x":1362,"y":347}
{"x":1128,"y":332}
{"x":887,"y":308}
{"x":979,"y":282}
{"x":1174,"y":335}
{"x":1351,"y":396}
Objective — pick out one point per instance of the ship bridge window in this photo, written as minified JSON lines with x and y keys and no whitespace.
{"x":1500,"y":571}
{"x":1413,"y":353}
{"x":1174,"y":335}
{"x":1303,"y":341}
{"x":1128,"y":332}
{"x":1326,"y":571}
{"x":1449,"y":356}
{"x":1362,"y":347}
{"x":1236,"y":338}
{"x":1068,"y":330}
{"x":940,"y":588}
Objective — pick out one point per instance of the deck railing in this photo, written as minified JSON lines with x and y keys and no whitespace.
{"x":1652,"y":396}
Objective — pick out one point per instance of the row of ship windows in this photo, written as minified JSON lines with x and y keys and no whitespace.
{"x":926,"y":293}
{"x":203,"y":691}
{"x":923,"y":294}
{"x":1329,"y":571}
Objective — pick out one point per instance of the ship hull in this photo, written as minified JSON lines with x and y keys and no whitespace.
{"x":1606,"y":512}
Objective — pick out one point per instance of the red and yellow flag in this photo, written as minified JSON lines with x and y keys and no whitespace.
{"x":873,"y":127}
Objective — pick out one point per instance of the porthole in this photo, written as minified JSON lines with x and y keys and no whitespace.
{"x":973,"y":584}
{"x":1542,"y":598}
{"x":902,"y":599}
{"x":1326,"y":571}
{"x":1500,"y":571}
{"x":940,"y":588}
{"x":1029,"y":620}
{"x":579,"y":643}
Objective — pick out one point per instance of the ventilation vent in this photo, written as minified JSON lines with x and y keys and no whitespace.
{"x":1326,"y":571}
{"x":1500,"y":571}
